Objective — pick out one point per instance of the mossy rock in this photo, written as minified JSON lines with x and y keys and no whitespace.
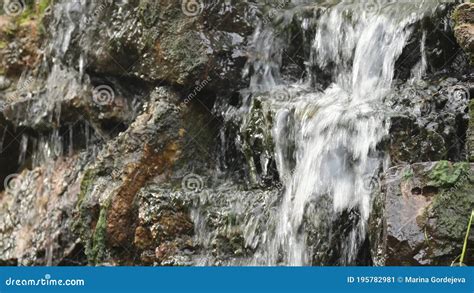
{"x":446,"y":174}
{"x":91,"y":223}
{"x":421,"y":215}
{"x":463,"y":18}
{"x":452,"y":207}
{"x":96,"y":250}
{"x":470,"y":134}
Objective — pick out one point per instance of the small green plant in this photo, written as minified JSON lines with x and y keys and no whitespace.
{"x":408,"y":174}
{"x":464,"y":247}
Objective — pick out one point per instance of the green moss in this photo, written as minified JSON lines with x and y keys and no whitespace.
{"x":86,"y":183}
{"x":42,"y":5}
{"x":96,"y":250}
{"x":10,"y":31}
{"x":27,"y":15}
{"x":34,"y":11}
{"x":451,"y":208}
{"x":455,"y":16}
{"x":446,"y":174}
{"x":93,"y":237}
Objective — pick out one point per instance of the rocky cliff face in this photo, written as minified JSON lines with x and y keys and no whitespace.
{"x":131,"y":134}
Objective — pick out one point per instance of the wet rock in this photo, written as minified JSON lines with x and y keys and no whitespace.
{"x":20,"y":41}
{"x":463,"y":17}
{"x":64,"y":97}
{"x":421,"y":215}
{"x":36,"y":211}
{"x":165,"y":229}
{"x":174,"y":253}
{"x":157,"y":40}
{"x":429,"y":121}
{"x":107,"y":213}
{"x":4,"y":83}
{"x":126,"y":199}
{"x":178,"y":226}
{"x":470,"y":135}
{"x":10,"y":147}
{"x":257,"y":143}
{"x":231,"y":224}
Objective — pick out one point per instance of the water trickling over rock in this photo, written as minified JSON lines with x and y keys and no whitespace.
{"x":250,"y":133}
{"x":327,"y":127}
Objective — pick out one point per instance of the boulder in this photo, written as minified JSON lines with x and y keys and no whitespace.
{"x":37,"y":213}
{"x":463,"y":17}
{"x":160,"y":41}
{"x":428,"y":121}
{"x":106,"y":218}
{"x":421,"y":214}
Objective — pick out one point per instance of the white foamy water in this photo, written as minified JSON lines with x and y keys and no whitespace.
{"x":326,"y":141}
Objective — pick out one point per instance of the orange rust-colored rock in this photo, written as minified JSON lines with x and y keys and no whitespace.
{"x":143,"y":238}
{"x":172,"y":225}
{"x":121,"y":218}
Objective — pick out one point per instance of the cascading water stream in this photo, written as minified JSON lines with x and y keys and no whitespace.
{"x":326,"y":141}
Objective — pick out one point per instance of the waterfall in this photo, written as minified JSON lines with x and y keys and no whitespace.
{"x":327,"y":128}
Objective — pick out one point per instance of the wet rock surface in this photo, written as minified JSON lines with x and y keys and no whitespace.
{"x":464,"y":29}
{"x":37,"y":215}
{"x":128,"y":137}
{"x":420,"y":212}
{"x":429,"y":121}
{"x":470,"y":133}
